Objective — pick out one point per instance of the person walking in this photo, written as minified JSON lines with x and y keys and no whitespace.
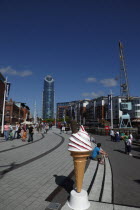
{"x":24,"y":134}
{"x":63,"y":129}
{"x":112,"y":135}
{"x":126,"y":137}
{"x":60,"y":129}
{"x":31,"y":132}
{"x":131,"y":136}
{"x":6,"y":131}
{"x":13,"y":133}
{"x":46,"y":128}
{"x":16,"y":136}
{"x":19,"y":132}
{"x":129,"y":146}
{"x":117,"y":137}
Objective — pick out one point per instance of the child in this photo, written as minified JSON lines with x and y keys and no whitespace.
{"x":24,"y":134}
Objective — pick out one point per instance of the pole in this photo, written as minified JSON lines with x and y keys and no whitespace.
{"x":35,"y":112}
{"x":71,"y":112}
{"x":76,"y":112}
{"x":55,"y":109}
{"x":55,"y":118}
{"x":3,"y":113}
{"x":111,"y":109}
{"x":19,"y":114}
{"x":64,"y":115}
{"x":80,"y":113}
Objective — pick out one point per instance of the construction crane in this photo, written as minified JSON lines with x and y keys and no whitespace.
{"x":125,"y":105}
{"x":124,"y":88}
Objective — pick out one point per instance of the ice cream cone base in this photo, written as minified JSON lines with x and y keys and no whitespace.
{"x":78,"y":200}
{"x":79,"y":159}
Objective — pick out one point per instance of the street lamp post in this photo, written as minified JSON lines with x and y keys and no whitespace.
{"x":111,"y":109}
{"x":3,"y":113}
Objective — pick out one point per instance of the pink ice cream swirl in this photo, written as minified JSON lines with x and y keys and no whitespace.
{"x":80,"y":141}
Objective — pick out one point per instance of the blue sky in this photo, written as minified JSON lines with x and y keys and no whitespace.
{"x":75,"y":41}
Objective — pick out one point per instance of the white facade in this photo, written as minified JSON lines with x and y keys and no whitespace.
{"x":135,"y":113}
{"x":94,"y":105}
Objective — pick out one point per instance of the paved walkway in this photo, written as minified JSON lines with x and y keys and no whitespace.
{"x":32,"y":181}
{"x":98,"y":184}
{"x":28,"y":186}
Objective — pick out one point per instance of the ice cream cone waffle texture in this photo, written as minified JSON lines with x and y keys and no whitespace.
{"x":79,"y":159}
{"x":80,"y":148}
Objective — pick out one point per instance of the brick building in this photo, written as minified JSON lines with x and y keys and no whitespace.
{"x":16,"y":112}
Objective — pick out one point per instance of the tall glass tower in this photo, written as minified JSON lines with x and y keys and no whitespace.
{"x":48,"y":98}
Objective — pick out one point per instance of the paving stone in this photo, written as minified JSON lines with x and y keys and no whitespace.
{"x":35,"y":180}
{"x":28,"y":186}
{"x":119,"y":207}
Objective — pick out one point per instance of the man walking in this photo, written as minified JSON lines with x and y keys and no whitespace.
{"x":30,"y":133}
{"x":112,"y":135}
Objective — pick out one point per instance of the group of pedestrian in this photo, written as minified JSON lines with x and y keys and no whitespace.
{"x":18,"y":132}
{"x":126,"y":137}
{"x":99,"y":154}
{"x":115,"y":136}
{"x":43,"y":127}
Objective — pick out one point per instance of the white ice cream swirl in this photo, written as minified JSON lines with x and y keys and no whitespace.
{"x":80,"y":141}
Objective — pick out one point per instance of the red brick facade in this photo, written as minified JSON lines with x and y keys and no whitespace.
{"x":14,"y":114}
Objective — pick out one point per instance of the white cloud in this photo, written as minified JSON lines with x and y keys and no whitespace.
{"x":109,"y":82}
{"x":9,"y":70}
{"x":85,"y":94}
{"x":91,"y":79}
{"x":93,"y":94}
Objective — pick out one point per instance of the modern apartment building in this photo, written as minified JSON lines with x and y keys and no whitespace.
{"x":48,"y":98}
{"x":75,"y":110}
{"x":98,"y":110}
{"x":63,"y":109}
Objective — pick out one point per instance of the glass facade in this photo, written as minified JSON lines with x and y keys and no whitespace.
{"x":48,"y":98}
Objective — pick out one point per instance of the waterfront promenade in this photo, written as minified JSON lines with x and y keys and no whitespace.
{"x":39,"y":175}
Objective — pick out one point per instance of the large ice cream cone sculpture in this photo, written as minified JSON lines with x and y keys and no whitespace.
{"x":79,"y":159}
{"x":80,"y":148}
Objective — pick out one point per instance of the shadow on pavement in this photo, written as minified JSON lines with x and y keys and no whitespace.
{"x":136,"y":149}
{"x":62,"y":192}
{"x":137,"y":180}
{"x":5,"y":166}
{"x":134,"y":156}
{"x":117,"y":150}
{"x":64,"y":182}
{"x":137,"y":157}
{"x":2,"y":173}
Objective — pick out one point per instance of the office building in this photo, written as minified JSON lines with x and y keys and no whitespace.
{"x":74,"y":110}
{"x":48,"y":98}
